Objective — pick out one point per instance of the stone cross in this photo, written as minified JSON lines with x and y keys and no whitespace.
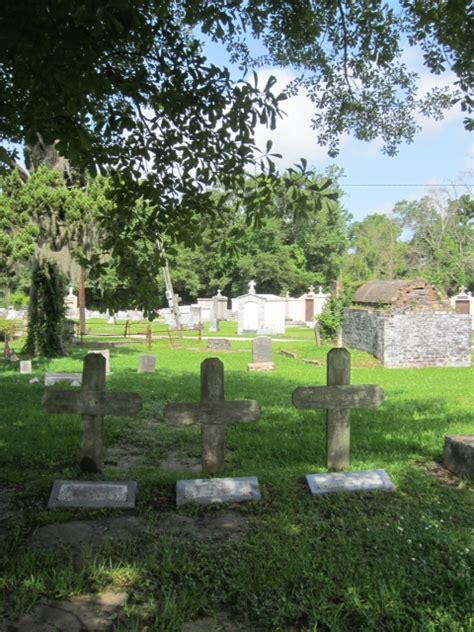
{"x":338,"y":397}
{"x":252,"y":287}
{"x":213,"y":413}
{"x":92,"y":402}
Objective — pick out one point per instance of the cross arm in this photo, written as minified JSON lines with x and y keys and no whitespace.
{"x":333,"y":397}
{"x":215,"y":412}
{"x":90,"y":403}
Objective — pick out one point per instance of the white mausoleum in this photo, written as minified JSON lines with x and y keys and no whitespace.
{"x":260,"y":313}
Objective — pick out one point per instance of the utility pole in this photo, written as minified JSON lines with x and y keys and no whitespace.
{"x":170,"y":295}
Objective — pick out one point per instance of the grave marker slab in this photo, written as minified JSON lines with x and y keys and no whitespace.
{"x":218,"y":490}
{"x":146,"y":364}
{"x":26,"y":367}
{"x":261,"y":354}
{"x":218,"y":344}
{"x":57,"y":378}
{"x":116,"y":494}
{"x":92,"y":403}
{"x":364,"y":481}
{"x":213,"y":413}
{"x":338,"y":397}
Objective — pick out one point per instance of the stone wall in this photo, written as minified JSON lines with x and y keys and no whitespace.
{"x":412,"y":339}
{"x":427,"y":339}
{"x":363,"y":329}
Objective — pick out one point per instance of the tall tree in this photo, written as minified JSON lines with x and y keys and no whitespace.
{"x":125,"y":86}
{"x":441,"y":239}
{"x":377,"y":251}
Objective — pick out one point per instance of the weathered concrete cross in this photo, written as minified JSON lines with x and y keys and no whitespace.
{"x":213,"y":413}
{"x":338,"y":397}
{"x":92,"y":403}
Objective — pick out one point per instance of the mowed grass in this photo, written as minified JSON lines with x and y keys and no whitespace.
{"x":401,"y":561}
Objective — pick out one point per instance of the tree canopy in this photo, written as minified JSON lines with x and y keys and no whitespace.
{"x":124,"y":86}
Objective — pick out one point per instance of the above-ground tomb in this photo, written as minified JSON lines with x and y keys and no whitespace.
{"x":407,"y":324}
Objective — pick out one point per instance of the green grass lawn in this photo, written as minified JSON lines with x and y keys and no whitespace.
{"x":379,"y":562}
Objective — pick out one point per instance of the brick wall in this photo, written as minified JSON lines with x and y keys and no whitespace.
{"x":411,"y":339}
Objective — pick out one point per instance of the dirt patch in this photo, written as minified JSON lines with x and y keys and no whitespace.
{"x":210,"y":526}
{"x":11,"y":513}
{"x":220,"y":622}
{"x":79,"y":534}
{"x":175,"y":462}
{"x":88,"y":612}
{"x":125,"y":458}
{"x":444,"y":476}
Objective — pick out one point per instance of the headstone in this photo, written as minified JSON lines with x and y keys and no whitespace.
{"x":459,"y":455}
{"x":106,"y":354}
{"x":34,"y":380}
{"x":213,"y":413}
{"x":218,"y":490}
{"x":261,"y":354}
{"x":97,"y":494}
{"x":146,"y":364}
{"x":214,"y":321}
{"x":26,"y":367}
{"x":218,"y":344}
{"x":338,"y":397}
{"x":370,"y":480}
{"x":57,"y":378}
{"x":92,"y":403}
{"x":14,"y":357}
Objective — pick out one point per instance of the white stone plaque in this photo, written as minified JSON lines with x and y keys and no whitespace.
{"x":93,"y":494}
{"x":218,"y":490}
{"x":58,"y":378}
{"x":369,"y":480}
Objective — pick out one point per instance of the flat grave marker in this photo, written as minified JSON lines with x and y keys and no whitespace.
{"x":218,"y":344}
{"x":213,"y":412}
{"x":98,"y":494}
{"x":58,"y":378}
{"x":363,"y":481}
{"x":92,"y":402}
{"x":218,"y":490}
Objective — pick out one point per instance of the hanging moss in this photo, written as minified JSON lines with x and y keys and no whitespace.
{"x":46,"y":314}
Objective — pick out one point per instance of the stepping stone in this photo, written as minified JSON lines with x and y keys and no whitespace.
{"x":57,"y":378}
{"x":222,"y":525}
{"x":97,"y":494}
{"x":96,"y":612}
{"x":78,"y":534}
{"x":459,"y":455}
{"x":202,"y":491}
{"x":364,"y":481}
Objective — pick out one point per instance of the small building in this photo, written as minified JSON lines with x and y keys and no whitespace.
{"x":407,"y":324}
{"x":260,"y":313}
{"x":463,"y":303}
{"x":306,"y":307}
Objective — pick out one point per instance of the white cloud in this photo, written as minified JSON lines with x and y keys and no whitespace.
{"x":293,"y":136}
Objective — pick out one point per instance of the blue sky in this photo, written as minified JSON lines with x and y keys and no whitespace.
{"x":441,"y":154}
